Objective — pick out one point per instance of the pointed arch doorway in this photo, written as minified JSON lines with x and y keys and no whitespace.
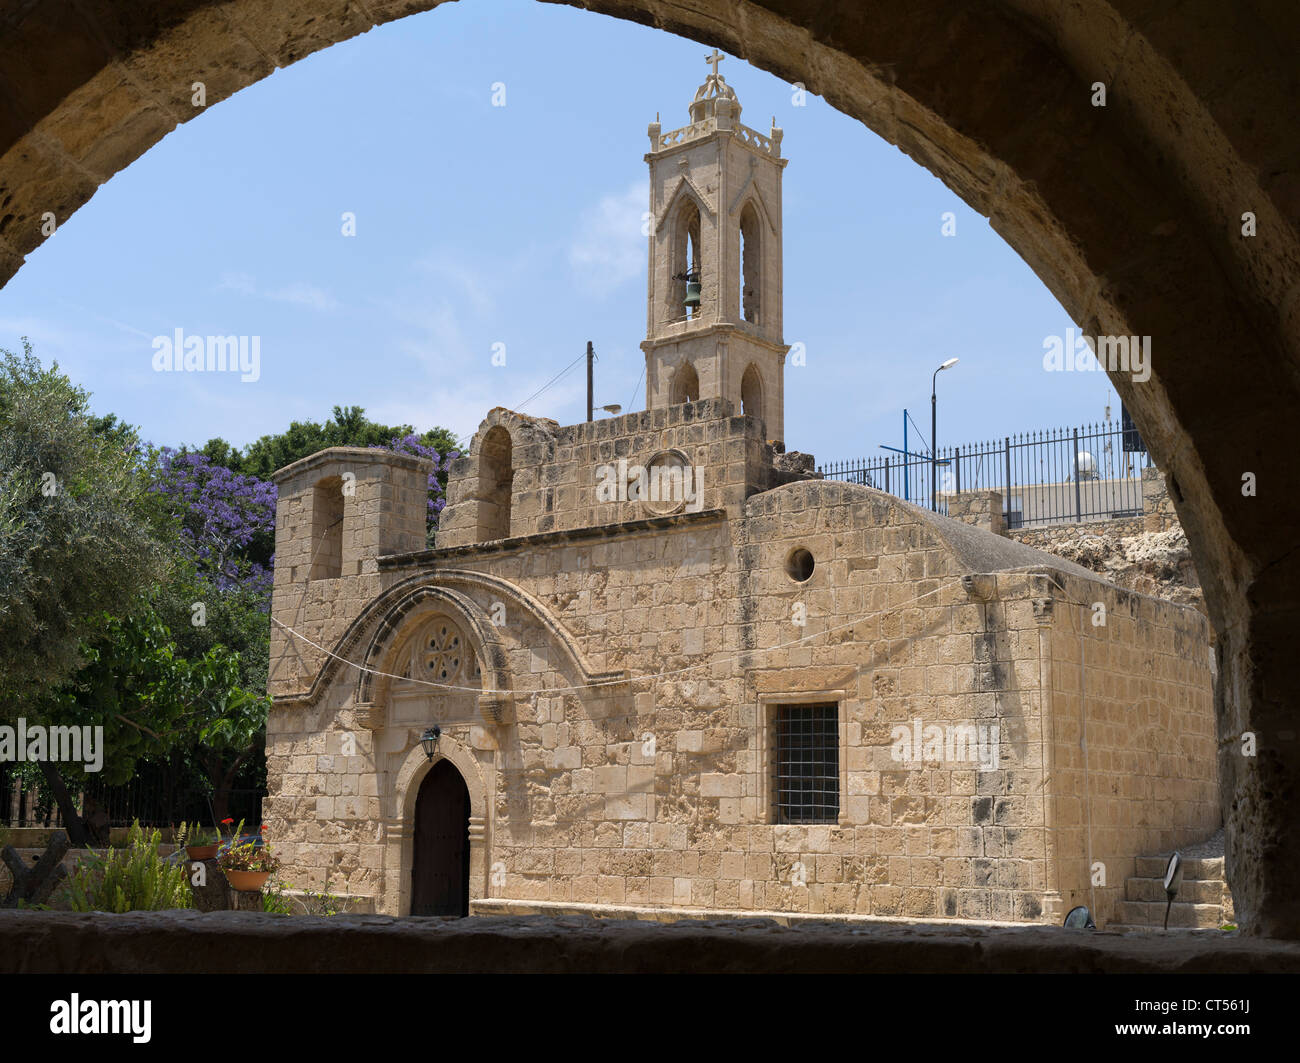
{"x":440,"y":867}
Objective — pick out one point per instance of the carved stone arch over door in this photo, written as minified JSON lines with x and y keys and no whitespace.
{"x":459,"y":647}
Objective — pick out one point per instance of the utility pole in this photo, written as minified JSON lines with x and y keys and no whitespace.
{"x":591,"y":391}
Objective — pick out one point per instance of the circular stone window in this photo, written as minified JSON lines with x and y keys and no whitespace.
{"x":799,"y":565}
{"x":669,"y":485}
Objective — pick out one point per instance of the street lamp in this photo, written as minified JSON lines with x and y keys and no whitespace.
{"x":934,"y":421}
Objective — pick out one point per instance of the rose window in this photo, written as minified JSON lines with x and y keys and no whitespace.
{"x":442,"y":652}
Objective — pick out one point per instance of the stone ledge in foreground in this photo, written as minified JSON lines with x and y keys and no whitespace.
{"x":248,"y":942}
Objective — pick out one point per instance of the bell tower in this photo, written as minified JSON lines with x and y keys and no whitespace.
{"x":713,"y":314}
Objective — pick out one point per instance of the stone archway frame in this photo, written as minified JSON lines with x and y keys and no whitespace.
{"x":399,"y":824}
{"x":524,"y":431}
{"x":384,"y":611}
{"x":1130,"y":214}
{"x":752,"y":195}
{"x":393,"y":604}
{"x":428,"y":600}
{"x":683,"y":190}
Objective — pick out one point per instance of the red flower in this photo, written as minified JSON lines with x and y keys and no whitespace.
{"x":227,"y":820}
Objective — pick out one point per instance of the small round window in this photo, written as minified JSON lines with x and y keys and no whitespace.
{"x":799,"y":565}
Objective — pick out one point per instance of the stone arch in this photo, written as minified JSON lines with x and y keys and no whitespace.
{"x":684,"y":254}
{"x":496,"y":479}
{"x":1147,"y":238}
{"x":328,"y":507}
{"x":686,"y":384}
{"x":400,"y":813}
{"x":483,"y":482}
{"x":751,"y":393}
{"x":413,"y":607}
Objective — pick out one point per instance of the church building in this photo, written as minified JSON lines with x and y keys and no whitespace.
{"x":656,"y":665}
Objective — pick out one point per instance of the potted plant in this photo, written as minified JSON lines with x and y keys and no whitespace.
{"x":247,"y":860}
{"x":201,"y":843}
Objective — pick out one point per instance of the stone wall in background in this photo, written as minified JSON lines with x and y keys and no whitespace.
{"x":1147,"y":554}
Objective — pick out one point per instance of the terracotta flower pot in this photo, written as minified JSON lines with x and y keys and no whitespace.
{"x":201,"y":852}
{"x":247,"y":881}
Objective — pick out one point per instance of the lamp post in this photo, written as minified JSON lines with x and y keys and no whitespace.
{"x":934,"y":422}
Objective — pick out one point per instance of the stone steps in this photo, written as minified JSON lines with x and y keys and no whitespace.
{"x":1204,"y":901}
{"x":1193,"y":890}
{"x":1204,"y":868}
{"x":1183,"y":914}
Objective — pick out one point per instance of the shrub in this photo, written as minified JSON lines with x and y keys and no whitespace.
{"x":195,"y":834}
{"x":325,"y":903}
{"x":275,"y":901}
{"x":134,"y":879}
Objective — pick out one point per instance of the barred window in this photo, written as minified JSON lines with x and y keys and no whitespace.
{"x":807,"y":763}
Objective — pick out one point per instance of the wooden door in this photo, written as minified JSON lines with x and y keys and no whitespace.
{"x":440,"y":871}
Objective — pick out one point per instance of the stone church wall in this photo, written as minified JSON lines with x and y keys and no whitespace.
{"x":656,"y":790}
{"x":1137,"y":775}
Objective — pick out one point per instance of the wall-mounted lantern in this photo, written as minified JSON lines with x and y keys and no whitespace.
{"x":430,"y":740}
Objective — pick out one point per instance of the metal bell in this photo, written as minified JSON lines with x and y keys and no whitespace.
{"x":692,"y":295}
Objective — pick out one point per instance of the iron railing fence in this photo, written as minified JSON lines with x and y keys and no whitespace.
{"x":1056,"y":476}
{"x":150,"y":797}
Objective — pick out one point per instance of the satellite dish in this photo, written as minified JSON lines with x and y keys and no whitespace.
{"x":1080,"y":919}
{"x":1087,"y":465}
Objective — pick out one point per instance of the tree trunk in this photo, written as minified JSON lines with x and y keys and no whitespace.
{"x":222,"y":782}
{"x":72,"y":821}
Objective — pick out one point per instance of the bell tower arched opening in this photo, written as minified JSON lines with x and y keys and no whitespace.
{"x":751,"y":393}
{"x":751,"y":266}
{"x":496,"y":483}
{"x":686,"y":385}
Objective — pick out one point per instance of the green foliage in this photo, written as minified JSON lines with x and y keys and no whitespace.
{"x":134,"y":879}
{"x":194,"y":834}
{"x":275,"y":901}
{"x":324,"y":903}
{"x":75,"y":537}
{"x":235,"y":619}
{"x":349,"y":427}
{"x":148,"y":698}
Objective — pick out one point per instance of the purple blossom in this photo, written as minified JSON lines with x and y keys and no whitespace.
{"x":222,"y":514}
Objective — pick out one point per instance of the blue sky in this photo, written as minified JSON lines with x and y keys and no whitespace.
{"x":520,"y":225}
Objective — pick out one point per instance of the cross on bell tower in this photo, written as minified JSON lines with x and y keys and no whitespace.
{"x":713,"y":315}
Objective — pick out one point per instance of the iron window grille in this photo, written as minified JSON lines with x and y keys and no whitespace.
{"x":807,"y":763}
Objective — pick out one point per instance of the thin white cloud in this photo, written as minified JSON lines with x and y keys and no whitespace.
{"x":609,"y":248}
{"x":453,"y":274}
{"x":298,"y":293}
